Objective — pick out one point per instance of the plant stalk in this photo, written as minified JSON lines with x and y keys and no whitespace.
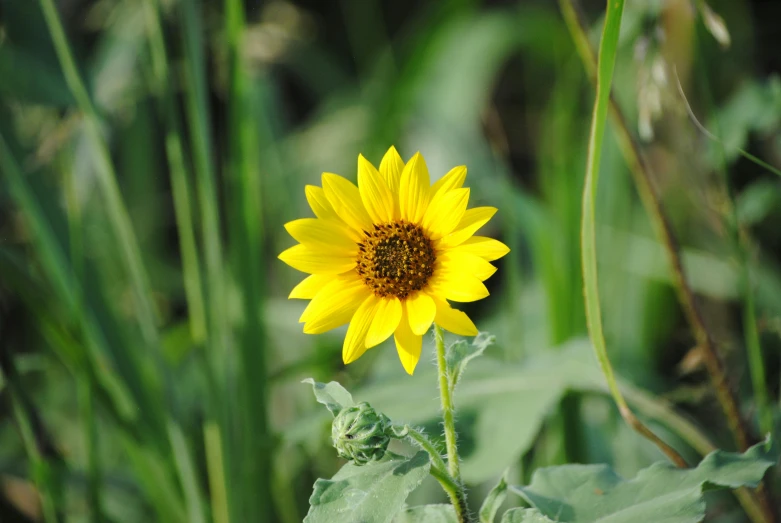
{"x":448,"y":420}
{"x":447,"y":406}
{"x":454,"y":490}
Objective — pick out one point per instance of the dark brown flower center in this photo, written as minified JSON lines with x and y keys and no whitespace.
{"x":395,"y":259}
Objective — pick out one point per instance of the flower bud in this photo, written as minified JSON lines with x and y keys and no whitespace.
{"x":361,"y":434}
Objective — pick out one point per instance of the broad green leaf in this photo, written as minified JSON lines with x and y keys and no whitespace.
{"x":659,"y":493}
{"x":504,"y":404}
{"x":524,"y":515}
{"x":494,"y":500}
{"x":428,"y":514}
{"x":372,"y":493}
{"x":460,"y":353}
{"x":332,"y":395}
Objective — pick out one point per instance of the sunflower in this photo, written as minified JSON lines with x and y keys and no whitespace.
{"x":386,"y":256}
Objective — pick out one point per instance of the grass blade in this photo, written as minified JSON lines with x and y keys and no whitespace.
{"x":118,"y":215}
{"x":254,"y":464}
{"x":178,"y":173}
{"x":606,"y":64}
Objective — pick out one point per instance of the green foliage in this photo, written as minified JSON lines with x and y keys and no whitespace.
{"x":367,"y":494}
{"x":332,"y":395}
{"x":459,"y":353}
{"x":660,"y":493}
{"x":427,"y":514}
{"x":523,"y":515}
{"x":493,"y":501}
{"x":151,"y":360}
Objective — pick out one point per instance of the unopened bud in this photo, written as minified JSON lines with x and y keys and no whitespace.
{"x":360,"y":434}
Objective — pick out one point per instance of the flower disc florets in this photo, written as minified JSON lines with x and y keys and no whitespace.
{"x":360,"y":434}
{"x":395,"y":259}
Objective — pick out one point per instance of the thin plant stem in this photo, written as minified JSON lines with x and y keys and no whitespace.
{"x":740,"y":245}
{"x":606,"y":63}
{"x":447,"y":406}
{"x":453,"y":488}
{"x":641,"y":172}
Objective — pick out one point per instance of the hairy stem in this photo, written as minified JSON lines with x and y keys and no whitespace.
{"x":448,"y":420}
{"x":454,"y":490}
{"x":447,"y":406}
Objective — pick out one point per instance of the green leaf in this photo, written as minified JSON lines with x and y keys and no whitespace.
{"x":28,"y":79}
{"x":460,"y":353}
{"x":505,"y":404}
{"x":372,"y":493}
{"x":494,"y":500}
{"x":428,"y":514}
{"x":524,"y":515}
{"x":332,"y":395}
{"x":660,"y":493}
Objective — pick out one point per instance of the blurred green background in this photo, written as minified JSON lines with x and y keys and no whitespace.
{"x":151,"y":152}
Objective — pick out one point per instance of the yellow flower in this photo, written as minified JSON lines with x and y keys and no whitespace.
{"x":386,"y":256}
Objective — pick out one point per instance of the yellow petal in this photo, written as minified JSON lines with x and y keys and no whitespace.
{"x":413,"y":189}
{"x":456,"y":287}
{"x":317,"y":261}
{"x":408,"y":345}
{"x":327,"y":234}
{"x":386,"y":319}
{"x":334,"y":305}
{"x":445,"y":211}
{"x":391,"y":167}
{"x":454,"y":179}
{"x":460,"y":262}
{"x":471,"y":222}
{"x":487,"y":248}
{"x":355,"y":340}
{"x":375,"y":194}
{"x":421,"y":311}
{"x":346,"y":201}
{"x":454,"y":320}
{"x":307,"y":289}
{"x":319,"y":203}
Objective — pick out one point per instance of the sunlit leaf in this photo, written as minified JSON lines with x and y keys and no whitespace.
{"x":660,"y":493}
{"x":428,"y":514}
{"x":372,"y":493}
{"x":460,"y":353}
{"x":332,"y":395}
{"x":494,"y":500}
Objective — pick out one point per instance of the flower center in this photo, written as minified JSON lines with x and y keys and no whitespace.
{"x":395,"y":259}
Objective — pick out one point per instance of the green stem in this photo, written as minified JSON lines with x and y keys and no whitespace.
{"x":454,"y":489}
{"x":447,"y":406}
{"x":454,"y":472}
